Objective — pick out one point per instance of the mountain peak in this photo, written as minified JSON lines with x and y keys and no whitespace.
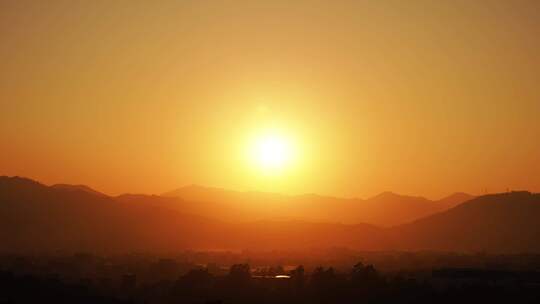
{"x":18,"y":180}
{"x":193,"y":189}
{"x":385,"y":194}
{"x":388,"y":195}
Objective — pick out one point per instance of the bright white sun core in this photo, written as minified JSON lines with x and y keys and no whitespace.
{"x":271,"y":152}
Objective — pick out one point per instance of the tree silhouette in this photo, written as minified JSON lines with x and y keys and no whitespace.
{"x":239,"y":274}
{"x":297,"y":277}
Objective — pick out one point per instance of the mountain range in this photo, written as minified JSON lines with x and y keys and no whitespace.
{"x":386,"y":209}
{"x":39,"y":218}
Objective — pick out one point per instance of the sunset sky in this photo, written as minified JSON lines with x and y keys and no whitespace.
{"x":358,"y":97}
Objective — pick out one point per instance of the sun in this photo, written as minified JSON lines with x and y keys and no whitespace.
{"x":272,"y":152}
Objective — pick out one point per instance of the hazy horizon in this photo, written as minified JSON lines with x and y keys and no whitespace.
{"x":346,"y":98}
{"x":262,"y":191}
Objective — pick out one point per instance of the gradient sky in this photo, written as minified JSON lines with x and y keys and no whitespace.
{"x":416,"y":97}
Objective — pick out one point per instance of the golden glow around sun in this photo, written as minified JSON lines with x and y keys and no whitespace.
{"x":272,"y":152}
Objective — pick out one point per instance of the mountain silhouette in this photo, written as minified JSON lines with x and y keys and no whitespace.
{"x":78,"y":188}
{"x":455,"y":199}
{"x":506,"y":222}
{"x":386,"y":209}
{"x":35,"y":217}
{"x":38,"y":218}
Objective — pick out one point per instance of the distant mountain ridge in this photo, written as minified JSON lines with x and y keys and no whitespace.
{"x":78,"y":188}
{"x":39,"y":218}
{"x":455,"y":199}
{"x":386,"y":209}
{"x":35,"y":217}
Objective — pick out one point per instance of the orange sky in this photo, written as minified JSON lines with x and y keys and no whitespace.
{"x":417,"y":97}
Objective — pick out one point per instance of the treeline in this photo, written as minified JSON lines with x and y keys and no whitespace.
{"x":362,"y":284}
